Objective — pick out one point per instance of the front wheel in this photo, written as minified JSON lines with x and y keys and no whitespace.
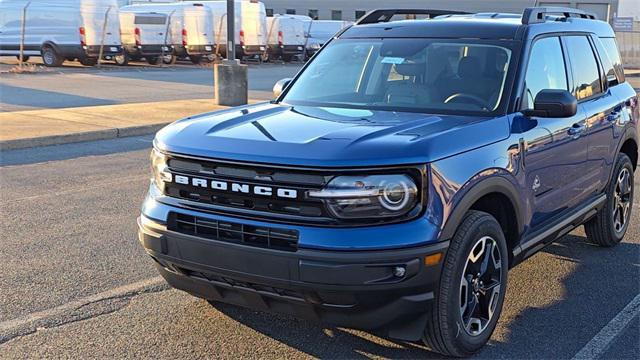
{"x":169,"y":59}
{"x":121,"y":59}
{"x":472,"y":288}
{"x":610,"y":224}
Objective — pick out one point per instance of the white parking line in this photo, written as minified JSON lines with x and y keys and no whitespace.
{"x":601,"y":342}
{"x":10,"y":326}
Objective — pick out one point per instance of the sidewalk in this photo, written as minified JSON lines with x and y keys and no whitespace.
{"x":26,"y":129}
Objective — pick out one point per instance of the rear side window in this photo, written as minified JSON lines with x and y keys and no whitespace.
{"x":586,"y":75}
{"x":611,"y":48}
{"x":150,"y":20}
{"x":545,"y":70}
{"x":607,"y":64}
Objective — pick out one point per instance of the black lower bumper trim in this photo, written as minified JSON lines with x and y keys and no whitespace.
{"x":353,"y":289}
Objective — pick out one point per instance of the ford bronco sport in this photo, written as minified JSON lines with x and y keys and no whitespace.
{"x":394,"y":181}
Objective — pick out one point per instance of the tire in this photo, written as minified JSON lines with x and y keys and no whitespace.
{"x":169,"y":59}
{"x":452,"y":329}
{"x":88,"y":61}
{"x":196,"y":59}
{"x":121,"y":59}
{"x":153,"y":60}
{"x":50,"y":57}
{"x":25,"y":58}
{"x":287,"y":58}
{"x":265,"y":57}
{"x":610,"y":224}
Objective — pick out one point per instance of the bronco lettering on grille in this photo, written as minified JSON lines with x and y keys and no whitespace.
{"x":236,"y":187}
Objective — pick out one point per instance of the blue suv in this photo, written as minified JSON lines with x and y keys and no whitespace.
{"x":395,"y":180}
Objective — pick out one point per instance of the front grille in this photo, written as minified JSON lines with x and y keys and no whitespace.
{"x":299,"y":181}
{"x":257,"y":236}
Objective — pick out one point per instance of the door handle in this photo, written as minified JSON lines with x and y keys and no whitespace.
{"x":576,"y":130}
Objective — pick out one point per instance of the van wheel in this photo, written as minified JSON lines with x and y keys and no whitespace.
{"x":265,"y":57}
{"x":610,"y":224}
{"x":472,"y":288}
{"x":25,"y":58}
{"x":169,"y":59}
{"x":121,"y":59}
{"x":153,"y":60}
{"x":88,"y":61}
{"x":196,"y":59}
{"x":287,"y":58}
{"x":50,"y":58}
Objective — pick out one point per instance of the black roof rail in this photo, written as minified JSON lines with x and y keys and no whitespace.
{"x":385,"y":15}
{"x":534,"y":15}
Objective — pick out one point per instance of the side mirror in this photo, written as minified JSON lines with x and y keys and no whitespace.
{"x":279,"y":87}
{"x":551,"y":103}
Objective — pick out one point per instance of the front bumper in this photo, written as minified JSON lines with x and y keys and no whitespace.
{"x":358,"y":289}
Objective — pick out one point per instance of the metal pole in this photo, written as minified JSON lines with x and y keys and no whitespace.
{"x":231,"y":31}
{"x":104,"y":31}
{"x":218,"y":35}
{"x":166,"y":34}
{"x":22,"y":31}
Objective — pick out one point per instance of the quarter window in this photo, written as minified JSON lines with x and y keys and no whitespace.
{"x":614,"y":55}
{"x":586,"y":76}
{"x":546,"y":69}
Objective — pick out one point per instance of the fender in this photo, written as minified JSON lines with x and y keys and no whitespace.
{"x":51,"y":44}
{"x":494,"y":184}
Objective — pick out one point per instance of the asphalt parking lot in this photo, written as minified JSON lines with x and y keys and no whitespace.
{"x":76,"y":284}
{"x":74,"y":85}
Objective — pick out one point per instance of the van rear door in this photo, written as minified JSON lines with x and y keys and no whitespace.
{"x":198,"y":23}
{"x":152,"y":28}
{"x":254,"y":23}
{"x":93,"y":16}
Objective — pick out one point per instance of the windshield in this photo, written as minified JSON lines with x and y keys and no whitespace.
{"x":424,"y":75}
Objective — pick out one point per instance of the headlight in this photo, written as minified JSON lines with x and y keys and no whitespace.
{"x":160,"y":169}
{"x":376,"y":196}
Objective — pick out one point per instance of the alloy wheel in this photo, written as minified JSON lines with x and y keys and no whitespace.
{"x":622,"y":200}
{"x":480,"y":285}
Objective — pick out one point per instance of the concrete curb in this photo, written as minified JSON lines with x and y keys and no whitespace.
{"x":81,"y":137}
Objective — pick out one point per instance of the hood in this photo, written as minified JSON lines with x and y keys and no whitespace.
{"x":328,"y":137}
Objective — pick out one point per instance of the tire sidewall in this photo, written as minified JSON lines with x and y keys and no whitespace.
{"x":49,"y":50}
{"x":487,"y":227}
{"x":622,"y":162}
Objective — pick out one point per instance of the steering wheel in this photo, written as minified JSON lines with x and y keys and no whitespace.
{"x":484,"y":105}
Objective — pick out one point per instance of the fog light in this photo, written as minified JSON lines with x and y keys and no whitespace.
{"x":399,"y":271}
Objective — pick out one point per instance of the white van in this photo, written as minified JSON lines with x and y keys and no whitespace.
{"x":250,"y":26}
{"x":320,"y":31}
{"x":191,"y":28}
{"x":144,"y":35}
{"x":60,"y":30}
{"x":286,"y":36}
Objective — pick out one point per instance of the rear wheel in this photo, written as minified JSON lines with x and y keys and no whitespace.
{"x":50,"y":57}
{"x":196,"y":59}
{"x":610,"y":225}
{"x":88,"y":61}
{"x":153,"y":60}
{"x":25,"y":58}
{"x":472,"y":288}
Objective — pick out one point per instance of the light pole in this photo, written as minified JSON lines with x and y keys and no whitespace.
{"x":230,"y":77}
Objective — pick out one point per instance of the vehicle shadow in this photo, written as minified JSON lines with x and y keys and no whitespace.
{"x":556,"y":302}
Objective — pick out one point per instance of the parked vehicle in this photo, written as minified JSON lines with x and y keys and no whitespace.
{"x":61,"y":30}
{"x":250,"y":25}
{"x":398,"y":177}
{"x":286,"y":37}
{"x":320,"y":31}
{"x":191,"y":29}
{"x":144,"y":35}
